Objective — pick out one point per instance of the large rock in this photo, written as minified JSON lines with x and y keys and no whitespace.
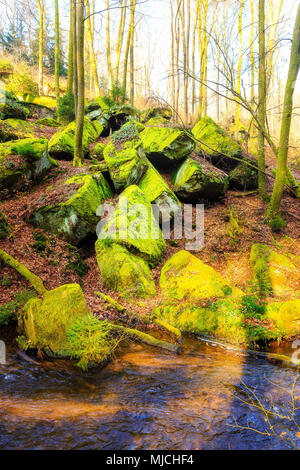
{"x":156,"y":112}
{"x":10,"y":107}
{"x":196,"y":180}
{"x":158,"y":192}
{"x":45,"y":321}
{"x":213,"y":141}
{"x":286,"y":316}
{"x":23,"y":160}
{"x":166,"y":145}
{"x":62,"y":144}
{"x":125,"y":157}
{"x":274,"y":274}
{"x":38,"y":111}
{"x":61,"y":324}
{"x":134,"y":226}
{"x":184,"y":276}
{"x":70,"y":210}
{"x":123,"y":271}
{"x":13,"y":129}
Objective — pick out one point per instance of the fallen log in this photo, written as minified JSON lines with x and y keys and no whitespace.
{"x":34,"y":280}
{"x":137,"y":335}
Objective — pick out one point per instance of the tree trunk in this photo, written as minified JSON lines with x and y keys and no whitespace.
{"x":238,"y":85}
{"x":93,"y":62}
{"x":57,"y":93}
{"x":281,"y":170}
{"x":75,"y":68}
{"x":108,"y":54}
{"x":78,"y":152}
{"x":120,"y":38}
{"x":41,"y":8}
{"x":70,"y":58}
{"x":132,"y":28}
{"x":261,"y":99}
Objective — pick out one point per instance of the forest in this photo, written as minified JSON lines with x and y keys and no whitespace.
{"x":149,"y":225}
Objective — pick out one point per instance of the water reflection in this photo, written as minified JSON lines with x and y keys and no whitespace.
{"x":143,"y":400}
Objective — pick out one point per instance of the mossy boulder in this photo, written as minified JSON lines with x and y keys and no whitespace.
{"x":23,"y":160}
{"x":134,"y":226}
{"x":100,"y":103}
{"x":125,"y":158}
{"x":62,"y":144}
{"x":158,"y":192}
{"x":274,"y":274}
{"x":286,"y":316}
{"x":186,"y":276}
{"x":11,"y":108}
{"x":48,"y":122}
{"x":213,"y":141}
{"x":45,"y":321}
{"x":98,"y":151}
{"x":123,"y":271}
{"x":165,"y":145}
{"x":196,"y":180}
{"x":5,"y":228}
{"x":73,"y":214}
{"x":221,"y":319}
{"x":13,"y":129}
{"x":244,"y":176}
{"x":39,"y":110}
{"x":158,"y":121}
{"x":156,"y":112}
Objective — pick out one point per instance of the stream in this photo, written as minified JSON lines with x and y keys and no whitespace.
{"x":150,"y":399}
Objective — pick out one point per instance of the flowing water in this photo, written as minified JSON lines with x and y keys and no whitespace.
{"x":148,"y":399}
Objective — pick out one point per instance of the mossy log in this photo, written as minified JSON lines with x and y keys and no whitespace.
{"x":34,"y":280}
{"x":137,"y":335}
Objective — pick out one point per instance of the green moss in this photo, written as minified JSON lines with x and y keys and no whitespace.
{"x":273,"y":273}
{"x":22,"y":85}
{"x":165,"y":144}
{"x":45,"y":321}
{"x":13,"y":129}
{"x":194,"y":180}
{"x":156,"y":113}
{"x":123,"y":271}
{"x":48,"y":122}
{"x":286,"y":316}
{"x":11,"y":108}
{"x":214,"y":142}
{"x":126,"y":162}
{"x":62,"y":144}
{"x":98,"y":151}
{"x":134,"y":226}
{"x":259,"y":258}
{"x":33,"y":162}
{"x":76,"y":218}
{"x":185,"y":276}
{"x":6,"y":68}
{"x":158,"y":192}
{"x":9,"y":311}
{"x":5,"y":228}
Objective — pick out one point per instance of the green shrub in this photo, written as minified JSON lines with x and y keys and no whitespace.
{"x":277,"y":223}
{"x":66,"y":108}
{"x":9,"y":311}
{"x":22,"y":85}
{"x":90,"y":340}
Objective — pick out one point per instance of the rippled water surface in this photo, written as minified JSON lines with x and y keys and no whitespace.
{"x":148,"y":399}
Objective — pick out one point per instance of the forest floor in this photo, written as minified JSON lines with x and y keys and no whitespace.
{"x":56,"y":262}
